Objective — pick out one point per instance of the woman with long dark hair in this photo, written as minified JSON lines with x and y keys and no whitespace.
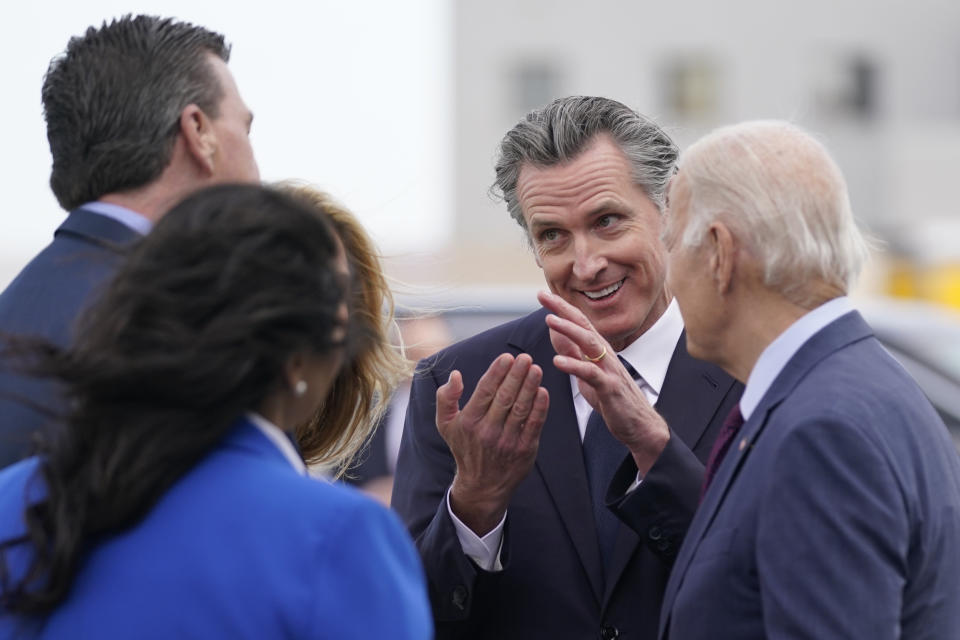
{"x":171,"y":503}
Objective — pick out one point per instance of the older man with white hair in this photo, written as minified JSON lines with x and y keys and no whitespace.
{"x":831,"y":504}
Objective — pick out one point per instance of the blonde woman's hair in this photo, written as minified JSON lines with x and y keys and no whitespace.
{"x":361,"y":392}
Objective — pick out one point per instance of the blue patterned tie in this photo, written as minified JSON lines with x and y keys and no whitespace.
{"x":602,"y":454}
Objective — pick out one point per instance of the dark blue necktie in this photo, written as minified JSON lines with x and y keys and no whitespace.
{"x":602,"y":454}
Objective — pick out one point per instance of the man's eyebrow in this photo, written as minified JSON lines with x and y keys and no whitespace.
{"x":538,"y":223}
{"x":608,"y":205}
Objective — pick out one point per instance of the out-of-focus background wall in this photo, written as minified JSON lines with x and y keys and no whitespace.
{"x":879,"y":82}
{"x":397,"y":109}
{"x":351,"y":95}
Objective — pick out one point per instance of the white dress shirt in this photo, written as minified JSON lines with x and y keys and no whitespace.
{"x":124,"y":216}
{"x":650,"y":355}
{"x":778,"y":353}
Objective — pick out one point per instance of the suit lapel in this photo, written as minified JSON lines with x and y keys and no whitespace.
{"x":692,"y":393}
{"x":560,"y":455}
{"x":846,"y":329}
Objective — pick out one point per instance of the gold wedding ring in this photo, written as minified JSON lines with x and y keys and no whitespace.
{"x":598,"y":358}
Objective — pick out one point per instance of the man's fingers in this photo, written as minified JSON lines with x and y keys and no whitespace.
{"x":564,"y":345}
{"x":523,"y":403}
{"x":564,"y":309}
{"x":530,"y":433}
{"x":448,"y":396}
{"x":588,"y":342}
{"x":584,"y":371}
{"x":479,"y":402}
{"x":506,"y":395}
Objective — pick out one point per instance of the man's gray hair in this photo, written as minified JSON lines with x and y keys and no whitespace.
{"x":113,"y":99}
{"x":777,"y":189}
{"x":558,"y":132}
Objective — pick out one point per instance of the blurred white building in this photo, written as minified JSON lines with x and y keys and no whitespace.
{"x":879,"y":81}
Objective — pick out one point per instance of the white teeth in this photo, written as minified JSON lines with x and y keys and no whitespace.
{"x":596,"y":295}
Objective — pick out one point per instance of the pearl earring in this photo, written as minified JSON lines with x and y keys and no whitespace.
{"x":300,"y":388}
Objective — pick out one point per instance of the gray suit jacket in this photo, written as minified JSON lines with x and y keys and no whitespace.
{"x":836,"y":513}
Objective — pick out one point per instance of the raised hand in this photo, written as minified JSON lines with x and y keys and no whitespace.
{"x":494,"y":438}
{"x":604,"y":381}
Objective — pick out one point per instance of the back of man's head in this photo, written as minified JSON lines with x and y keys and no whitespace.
{"x":112,"y":102}
{"x":561,"y":130}
{"x":782,"y":194}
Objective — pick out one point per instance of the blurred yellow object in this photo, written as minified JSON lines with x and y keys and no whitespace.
{"x":938,"y":283}
{"x":943,"y":284}
{"x":902,"y":280}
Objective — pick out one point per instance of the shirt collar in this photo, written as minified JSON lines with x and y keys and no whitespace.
{"x":650,"y":354}
{"x":124,"y":216}
{"x":275,"y":435}
{"x":778,"y":353}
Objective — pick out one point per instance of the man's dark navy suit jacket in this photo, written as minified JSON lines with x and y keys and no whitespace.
{"x":553,"y":585}
{"x":43,"y":301}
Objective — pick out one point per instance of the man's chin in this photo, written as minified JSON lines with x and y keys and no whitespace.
{"x":617,"y":336}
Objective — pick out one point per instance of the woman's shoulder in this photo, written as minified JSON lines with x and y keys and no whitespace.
{"x":20,"y":483}
{"x":338,"y":496}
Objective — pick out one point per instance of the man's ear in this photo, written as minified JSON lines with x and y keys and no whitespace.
{"x":722,"y":255}
{"x":199,"y":136}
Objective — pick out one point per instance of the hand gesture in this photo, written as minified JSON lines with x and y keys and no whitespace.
{"x":604,"y":381}
{"x":494,"y":438}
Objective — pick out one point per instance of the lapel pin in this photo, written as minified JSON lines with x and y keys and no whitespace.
{"x":743,"y":444}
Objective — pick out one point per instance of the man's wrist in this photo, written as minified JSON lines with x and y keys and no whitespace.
{"x":646,"y":453}
{"x":480,"y":514}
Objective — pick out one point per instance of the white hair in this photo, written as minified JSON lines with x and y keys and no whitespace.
{"x":781,"y":193}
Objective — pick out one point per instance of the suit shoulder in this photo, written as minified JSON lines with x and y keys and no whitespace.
{"x":862,"y":377}
{"x":862,"y":390}
{"x":53,"y":287}
{"x":483,"y":347}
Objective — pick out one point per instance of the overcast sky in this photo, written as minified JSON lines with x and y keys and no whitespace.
{"x":350,"y":95}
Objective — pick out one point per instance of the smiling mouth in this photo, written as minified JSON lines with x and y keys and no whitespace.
{"x":600,"y":294}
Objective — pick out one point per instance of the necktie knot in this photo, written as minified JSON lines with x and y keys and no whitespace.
{"x":626,"y":365}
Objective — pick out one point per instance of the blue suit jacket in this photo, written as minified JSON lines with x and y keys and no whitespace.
{"x":243,"y":546}
{"x":43,"y":300}
{"x":552,"y":585}
{"x":836,"y":513}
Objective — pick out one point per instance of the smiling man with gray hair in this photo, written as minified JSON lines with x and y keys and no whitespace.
{"x":834,"y":510}
{"x":506,"y":458}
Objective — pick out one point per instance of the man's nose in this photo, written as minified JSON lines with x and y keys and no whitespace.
{"x":588,"y":261}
